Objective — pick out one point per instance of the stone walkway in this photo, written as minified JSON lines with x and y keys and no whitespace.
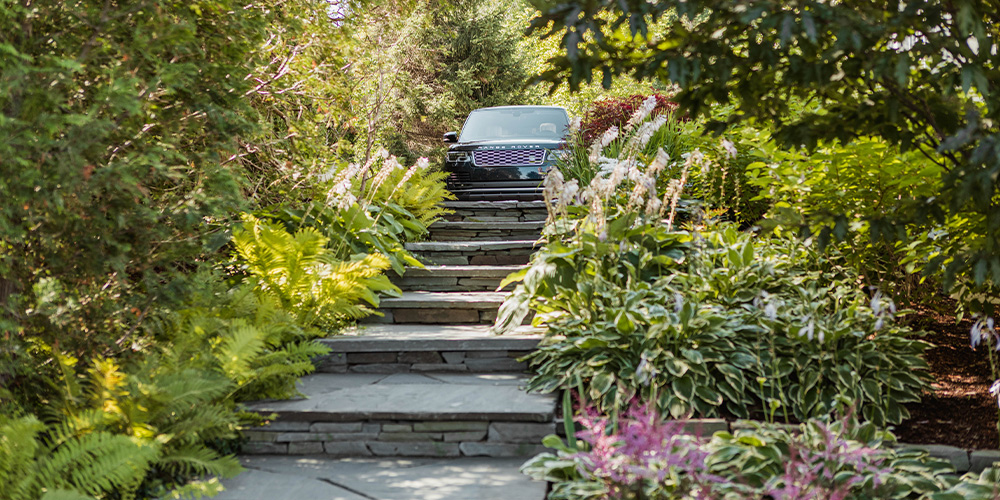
{"x":424,"y":402}
{"x":317,"y":478}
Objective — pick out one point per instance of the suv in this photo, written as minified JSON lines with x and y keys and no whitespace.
{"x":504,"y":152}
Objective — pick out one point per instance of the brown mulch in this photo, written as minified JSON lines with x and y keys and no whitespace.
{"x":960,"y":410}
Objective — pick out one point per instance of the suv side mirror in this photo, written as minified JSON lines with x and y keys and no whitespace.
{"x":451,"y":137}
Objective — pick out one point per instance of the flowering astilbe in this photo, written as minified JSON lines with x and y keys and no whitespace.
{"x":643,"y":452}
{"x":811,"y":473}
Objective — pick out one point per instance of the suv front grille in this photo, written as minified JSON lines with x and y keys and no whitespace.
{"x":508,"y":157}
{"x":459,"y":178}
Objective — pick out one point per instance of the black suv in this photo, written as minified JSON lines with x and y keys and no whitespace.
{"x":504,"y":152}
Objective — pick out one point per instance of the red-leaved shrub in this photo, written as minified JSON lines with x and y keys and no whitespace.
{"x":615,"y":111}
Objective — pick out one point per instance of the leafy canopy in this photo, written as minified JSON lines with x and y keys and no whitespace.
{"x":921,"y":75}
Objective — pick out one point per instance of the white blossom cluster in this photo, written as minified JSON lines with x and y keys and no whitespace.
{"x":614,"y":172}
{"x":341,"y":195}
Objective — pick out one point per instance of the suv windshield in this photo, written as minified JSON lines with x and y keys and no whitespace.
{"x":515,"y":123}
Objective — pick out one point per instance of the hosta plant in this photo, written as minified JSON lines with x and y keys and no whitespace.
{"x":637,"y":455}
{"x":715,"y":324}
{"x":710,"y":322}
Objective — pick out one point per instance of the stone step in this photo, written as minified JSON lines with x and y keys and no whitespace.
{"x":406,"y":415}
{"x":440,"y":308}
{"x":454,"y":278}
{"x":427,"y":348}
{"x":320,"y":477}
{"x":496,"y":211}
{"x":476,"y":253}
{"x":492,"y":231}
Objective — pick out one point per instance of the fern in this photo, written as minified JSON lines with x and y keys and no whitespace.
{"x":305,"y":278}
{"x":65,"y":495}
{"x":240,"y":346}
{"x":93,"y":464}
{"x":196,"y":460}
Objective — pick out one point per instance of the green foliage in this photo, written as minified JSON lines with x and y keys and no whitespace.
{"x":812,"y":193}
{"x":117,"y":124}
{"x":246,"y":337}
{"x":466,"y":56}
{"x":712,"y":324}
{"x":816,"y":459}
{"x":921,"y":77}
{"x":68,"y":467}
{"x":305,"y":278}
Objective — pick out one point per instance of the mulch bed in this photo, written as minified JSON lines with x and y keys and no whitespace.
{"x":960,"y":410}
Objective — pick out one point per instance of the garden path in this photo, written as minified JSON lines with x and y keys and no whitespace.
{"x":424,"y":402}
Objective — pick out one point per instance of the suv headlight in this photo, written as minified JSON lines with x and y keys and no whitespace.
{"x":458,"y":156}
{"x":558,"y":154}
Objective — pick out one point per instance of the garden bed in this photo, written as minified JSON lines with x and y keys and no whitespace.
{"x":960,"y":411}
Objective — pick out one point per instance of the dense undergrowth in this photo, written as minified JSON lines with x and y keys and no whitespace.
{"x":648,"y":299}
{"x":194,"y":194}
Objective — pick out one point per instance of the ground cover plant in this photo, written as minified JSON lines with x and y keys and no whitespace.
{"x":636,"y":455}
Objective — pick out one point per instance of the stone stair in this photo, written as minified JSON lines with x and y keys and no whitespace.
{"x":461,"y":278}
{"x":485,"y":231}
{"x":474,"y":253}
{"x":427,"y":379}
{"x":445,"y":308}
{"x":427,"y":349}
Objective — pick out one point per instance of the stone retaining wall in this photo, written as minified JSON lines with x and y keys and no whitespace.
{"x":400,"y":438}
{"x":423,"y":362}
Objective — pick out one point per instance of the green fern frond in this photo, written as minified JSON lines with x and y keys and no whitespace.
{"x":65,"y":495}
{"x":96,"y":463}
{"x":199,"y":460}
{"x":244,"y":343}
{"x":18,"y":447}
{"x":189,"y":387}
{"x":206,"y":422}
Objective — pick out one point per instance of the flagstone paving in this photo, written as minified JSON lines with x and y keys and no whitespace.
{"x":316,"y":478}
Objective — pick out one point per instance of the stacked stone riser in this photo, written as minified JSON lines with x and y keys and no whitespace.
{"x":482,"y":235}
{"x":506,"y":257}
{"x":450,"y":284}
{"x":528,"y":215}
{"x":423,"y":362}
{"x":400,"y":438}
{"x":435,"y":316}
{"x":497,"y":211}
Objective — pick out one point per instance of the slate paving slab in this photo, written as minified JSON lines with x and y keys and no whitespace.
{"x":452,"y":300}
{"x":301,"y":478}
{"x":353,"y":396}
{"x":485,"y":226}
{"x":417,"y":337}
{"x":460,"y":271}
{"x":467,"y":246}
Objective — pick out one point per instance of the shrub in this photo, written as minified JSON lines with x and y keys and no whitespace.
{"x":616,"y":111}
{"x":638,"y":456}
